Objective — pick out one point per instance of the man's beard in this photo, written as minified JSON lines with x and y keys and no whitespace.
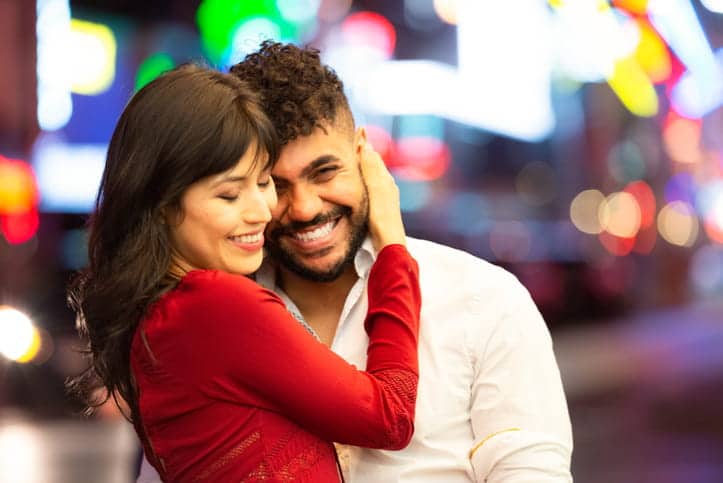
{"x":358,"y":230}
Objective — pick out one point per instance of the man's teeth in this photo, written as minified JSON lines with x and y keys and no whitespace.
{"x":316,"y":233}
{"x":248,"y":238}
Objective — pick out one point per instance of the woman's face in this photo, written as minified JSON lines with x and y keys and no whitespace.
{"x":222,"y":220}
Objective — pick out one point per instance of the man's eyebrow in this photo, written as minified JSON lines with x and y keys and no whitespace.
{"x":315,"y":164}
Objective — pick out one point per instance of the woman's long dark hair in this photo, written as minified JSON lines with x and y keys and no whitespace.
{"x":187,"y":124}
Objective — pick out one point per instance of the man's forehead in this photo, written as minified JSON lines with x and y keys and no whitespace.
{"x":305,"y":151}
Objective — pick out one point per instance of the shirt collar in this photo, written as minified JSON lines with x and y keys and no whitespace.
{"x":363,"y":261}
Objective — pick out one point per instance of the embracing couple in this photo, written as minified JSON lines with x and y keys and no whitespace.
{"x":248,"y":260}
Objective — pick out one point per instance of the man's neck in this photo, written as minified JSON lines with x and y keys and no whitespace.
{"x":321,"y":303}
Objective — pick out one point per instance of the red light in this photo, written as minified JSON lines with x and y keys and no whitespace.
{"x":714,"y":231}
{"x":420,"y":159}
{"x":616,"y":245}
{"x":381,"y":140}
{"x":372,"y":30}
{"x":20,"y":228}
{"x":646,"y":200}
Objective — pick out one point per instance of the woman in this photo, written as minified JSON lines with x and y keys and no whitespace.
{"x":221,"y":381}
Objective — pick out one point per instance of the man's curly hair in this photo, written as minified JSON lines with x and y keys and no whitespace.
{"x":299,"y":93}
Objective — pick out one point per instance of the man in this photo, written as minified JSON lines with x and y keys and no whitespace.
{"x":491,"y":405}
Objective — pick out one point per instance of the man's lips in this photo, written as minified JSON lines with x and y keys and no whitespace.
{"x":298,"y":229}
{"x":315,"y":238}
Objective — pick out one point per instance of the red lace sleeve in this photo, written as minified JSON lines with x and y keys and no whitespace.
{"x":240,"y":344}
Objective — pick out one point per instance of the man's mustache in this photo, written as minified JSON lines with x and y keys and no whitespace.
{"x":294,"y":226}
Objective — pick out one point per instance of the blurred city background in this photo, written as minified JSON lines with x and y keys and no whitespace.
{"x":574,"y":142}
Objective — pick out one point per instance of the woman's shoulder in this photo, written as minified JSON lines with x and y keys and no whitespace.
{"x":214,"y":297}
{"x":210,"y":287}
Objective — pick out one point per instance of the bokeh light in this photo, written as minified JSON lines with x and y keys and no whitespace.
{"x":19,"y":339}
{"x":678,"y":224}
{"x":93,"y":47}
{"x":381,"y":141}
{"x":709,"y":204}
{"x":298,"y":11}
{"x":21,"y":227}
{"x":620,"y":215}
{"x":616,"y":245}
{"x":55,"y":104}
{"x":633,"y":87}
{"x":645,"y":197}
{"x":229,"y":29}
{"x":714,"y":220}
{"x":713,"y":5}
{"x":638,"y":7}
{"x":18,"y":189}
{"x":370,"y":29}
{"x":652,"y":54}
{"x":681,"y":138}
{"x":625,"y":162}
{"x":680,"y":187}
{"x":152,"y":67}
{"x":248,"y":35}
{"x":420,"y":158}
{"x":447,"y":10}
{"x":584,"y":211}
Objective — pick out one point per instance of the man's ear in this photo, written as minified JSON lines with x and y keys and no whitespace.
{"x":360,"y":140}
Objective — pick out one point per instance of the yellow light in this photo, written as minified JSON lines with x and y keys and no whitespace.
{"x":633,"y":87}
{"x":678,"y":224}
{"x":94,"y":49}
{"x":18,"y":192}
{"x":620,"y":215}
{"x":584,"y":211}
{"x":19,"y":339}
{"x":652,"y":55}
{"x":634,"y":6}
{"x":447,"y":10}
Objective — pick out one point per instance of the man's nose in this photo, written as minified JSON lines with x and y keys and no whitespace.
{"x":303,"y":203}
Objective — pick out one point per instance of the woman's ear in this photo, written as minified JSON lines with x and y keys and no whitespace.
{"x":169,"y":216}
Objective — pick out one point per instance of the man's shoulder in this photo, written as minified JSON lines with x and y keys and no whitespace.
{"x":457,"y":264}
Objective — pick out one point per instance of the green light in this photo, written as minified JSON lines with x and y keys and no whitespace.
{"x":152,"y":67}
{"x":218,"y":21}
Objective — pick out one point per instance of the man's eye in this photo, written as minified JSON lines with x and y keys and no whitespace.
{"x":325,"y":173}
{"x":228,"y":197}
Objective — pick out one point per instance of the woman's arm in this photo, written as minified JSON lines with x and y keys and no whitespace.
{"x":238,"y":343}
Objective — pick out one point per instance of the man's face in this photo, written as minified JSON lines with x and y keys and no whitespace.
{"x":320,"y":220}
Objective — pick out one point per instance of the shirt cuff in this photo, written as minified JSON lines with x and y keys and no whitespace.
{"x":520,"y":456}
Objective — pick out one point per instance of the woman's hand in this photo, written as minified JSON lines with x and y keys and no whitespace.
{"x":385,"y":216}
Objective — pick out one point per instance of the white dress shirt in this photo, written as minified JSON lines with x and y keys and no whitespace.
{"x":490,"y":405}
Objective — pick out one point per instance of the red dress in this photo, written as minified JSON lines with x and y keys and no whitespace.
{"x":232,"y":388}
